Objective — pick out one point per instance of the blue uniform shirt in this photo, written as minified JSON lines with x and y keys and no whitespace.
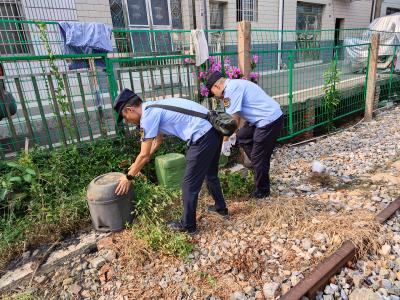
{"x":250,"y":102}
{"x":156,"y":120}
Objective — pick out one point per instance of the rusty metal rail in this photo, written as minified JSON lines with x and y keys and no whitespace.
{"x":320,"y":276}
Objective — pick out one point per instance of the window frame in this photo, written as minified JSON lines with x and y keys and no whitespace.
{"x":219,"y":8}
{"x":247,"y":10}
{"x":22,"y":45}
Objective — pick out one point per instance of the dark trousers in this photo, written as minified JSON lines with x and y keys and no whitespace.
{"x":202,"y":160}
{"x":259,"y":143}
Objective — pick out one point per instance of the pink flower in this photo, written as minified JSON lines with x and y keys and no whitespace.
{"x":235,"y":71}
{"x":203,"y":90}
{"x":211,"y":60}
{"x":202,"y":75}
{"x":187,"y":60}
{"x":255,"y":58}
{"x":253,"y":76}
{"x":215,"y":67}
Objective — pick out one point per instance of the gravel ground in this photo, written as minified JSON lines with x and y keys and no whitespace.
{"x":266,"y":247}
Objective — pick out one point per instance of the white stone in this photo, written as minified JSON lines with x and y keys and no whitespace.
{"x":318,"y":167}
{"x":306,"y":244}
{"x":270,"y":289}
{"x":385,"y":250}
{"x":238,"y":296}
{"x":364,"y":294}
{"x":97,"y":262}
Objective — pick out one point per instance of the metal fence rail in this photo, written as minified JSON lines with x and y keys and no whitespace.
{"x":67,"y":98}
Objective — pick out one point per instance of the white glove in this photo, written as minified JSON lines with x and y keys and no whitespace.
{"x":232,"y":139}
{"x":226,"y":148}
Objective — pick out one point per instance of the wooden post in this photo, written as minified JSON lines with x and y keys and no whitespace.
{"x":244,"y":62}
{"x":244,"y":42}
{"x":372,"y":70}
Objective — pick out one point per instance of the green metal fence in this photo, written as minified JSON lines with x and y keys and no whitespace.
{"x":388,"y":83}
{"x":59,"y":106}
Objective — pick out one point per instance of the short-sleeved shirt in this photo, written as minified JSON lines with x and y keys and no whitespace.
{"x":250,"y":102}
{"x":188,"y":128}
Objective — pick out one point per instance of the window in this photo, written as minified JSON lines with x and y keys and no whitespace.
{"x":12,"y":35}
{"x":392,"y":10}
{"x":308,"y":20}
{"x":216,"y":15}
{"x":149,"y":14}
{"x":309,"y":16}
{"x":246,"y":10}
{"x":157,"y":15}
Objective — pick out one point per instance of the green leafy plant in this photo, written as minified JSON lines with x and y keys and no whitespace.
{"x":234,"y":185}
{"x":25,"y":295}
{"x":60,"y":89}
{"x":160,"y":238}
{"x":332,"y":94}
{"x":151,"y":200}
{"x":208,"y":277}
{"x":153,"y":204}
{"x":54,"y":201}
{"x":15,"y":184}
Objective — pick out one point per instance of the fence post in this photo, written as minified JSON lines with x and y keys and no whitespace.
{"x":244,"y":63}
{"x":244,"y":42}
{"x":290,"y":96}
{"x":372,"y":70}
{"x":112,"y":85}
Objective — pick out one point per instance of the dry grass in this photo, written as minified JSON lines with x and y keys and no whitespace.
{"x":133,"y":252}
{"x":302,"y":218}
{"x":358,"y":226}
{"x":322,"y":179}
{"x":277,"y":211}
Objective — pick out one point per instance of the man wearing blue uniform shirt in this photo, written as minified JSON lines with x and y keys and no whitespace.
{"x":201,"y":159}
{"x":264,"y":121}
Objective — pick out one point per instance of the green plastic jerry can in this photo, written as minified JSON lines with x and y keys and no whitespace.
{"x":170,"y":169}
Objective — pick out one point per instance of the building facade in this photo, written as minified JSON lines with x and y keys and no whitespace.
{"x":220,"y":14}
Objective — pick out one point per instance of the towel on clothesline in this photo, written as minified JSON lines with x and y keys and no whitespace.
{"x":199,"y":46}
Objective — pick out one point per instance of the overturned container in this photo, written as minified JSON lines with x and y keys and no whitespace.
{"x":108,"y":211}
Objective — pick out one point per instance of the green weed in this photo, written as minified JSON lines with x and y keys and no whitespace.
{"x":234,"y":185}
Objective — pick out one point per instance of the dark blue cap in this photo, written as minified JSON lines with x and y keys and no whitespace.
{"x":211,"y":80}
{"x":122,"y":99}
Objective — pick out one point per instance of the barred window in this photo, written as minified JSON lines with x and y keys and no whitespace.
{"x":247,"y":10}
{"x":12,"y":35}
{"x":216,"y":15}
{"x":309,"y":16}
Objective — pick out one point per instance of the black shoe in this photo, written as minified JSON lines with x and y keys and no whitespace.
{"x":259,"y":195}
{"x":222,"y":212}
{"x":177,"y":226}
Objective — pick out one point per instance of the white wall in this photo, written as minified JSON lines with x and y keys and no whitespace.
{"x":356,"y":14}
{"x":93,"y":11}
{"x":49,"y":10}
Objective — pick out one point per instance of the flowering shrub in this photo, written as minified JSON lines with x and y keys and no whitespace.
{"x":232,"y":72}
